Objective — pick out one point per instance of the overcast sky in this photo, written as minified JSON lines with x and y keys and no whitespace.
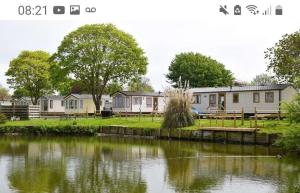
{"x":238,"y":42}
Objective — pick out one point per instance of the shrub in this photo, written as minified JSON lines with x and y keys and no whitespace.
{"x":3,"y":118}
{"x":290,"y":139}
{"x":293,"y":110}
{"x":178,"y":112}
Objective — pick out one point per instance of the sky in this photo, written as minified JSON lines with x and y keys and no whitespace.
{"x":164,"y":29}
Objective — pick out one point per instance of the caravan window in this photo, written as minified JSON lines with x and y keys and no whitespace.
{"x":81,"y":104}
{"x":127,"y":102}
{"x":137,"y":100}
{"x":119,"y":101}
{"x":62,"y":103}
{"x":51,"y":104}
{"x":256,"y":97}
{"x":197,"y":99}
{"x":269,"y":97}
{"x":236,"y":98}
{"x":75,"y":104}
{"x":212,"y":100}
{"x":149,"y":101}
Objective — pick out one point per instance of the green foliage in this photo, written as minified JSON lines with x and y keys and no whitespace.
{"x":74,"y":123}
{"x":113,"y":87}
{"x":3,"y":118}
{"x":264,"y":79}
{"x":178,"y":112}
{"x":141,"y":84}
{"x":199,"y":70}
{"x":293,"y":110}
{"x":29,"y":74}
{"x":290,"y":139}
{"x":284,"y":58}
{"x":97,"y":55}
{"x":3,"y":93}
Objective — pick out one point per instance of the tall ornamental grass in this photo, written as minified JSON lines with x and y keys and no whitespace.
{"x":179,"y":104}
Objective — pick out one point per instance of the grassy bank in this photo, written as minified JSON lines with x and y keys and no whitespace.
{"x":267,"y":126}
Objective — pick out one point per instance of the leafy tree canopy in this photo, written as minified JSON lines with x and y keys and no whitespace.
{"x":284,"y":58}
{"x":98,"y":55}
{"x":263,"y":79}
{"x":141,"y":84}
{"x":199,"y":70}
{"x":29,"y":73}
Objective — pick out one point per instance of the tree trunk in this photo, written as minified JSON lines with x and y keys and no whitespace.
{"x":34,"y":100}
{"x":97,"y":102}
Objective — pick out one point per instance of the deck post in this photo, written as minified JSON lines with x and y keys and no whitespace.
{"x":210,"y":120}
{"x":202,"y":135}
{"x":213,"y":135}
{"x":242,"y":137}
{"x":199,"y":120}
{"x":250,"y":123}
{"x":223,"y":122}
{"x":234,"y":120}
{"x":226,"y":136}
{"x":255,"y":117}
{"x":243,"y":116}
{"x":152,"y":115}
{"x":279,"y":116}
{"x":254,"y":137}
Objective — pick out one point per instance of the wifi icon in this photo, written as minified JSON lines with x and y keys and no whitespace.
{"x":252,"y":9}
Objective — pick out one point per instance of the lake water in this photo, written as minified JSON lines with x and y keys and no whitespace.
{"x":112,"y":164}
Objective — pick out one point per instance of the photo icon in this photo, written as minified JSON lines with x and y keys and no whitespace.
{"x":75,"y":10}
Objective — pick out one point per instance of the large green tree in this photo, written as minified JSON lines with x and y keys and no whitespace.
{"x":263,"y":79}
{"x":29,"y":73}
{"x":98,"y":55}
{"x":141,"y":84}
{"x":284,"y":58}
{"x":199,"y":70}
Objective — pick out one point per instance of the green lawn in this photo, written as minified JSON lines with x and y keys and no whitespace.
{"x":269,"y":126}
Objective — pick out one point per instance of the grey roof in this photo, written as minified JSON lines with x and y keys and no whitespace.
{"x":86,"y":96}
{"x":240,"y":88}
{"x":135,"y":93}
{"x":81,"y":96}
{"x":53,"y":97}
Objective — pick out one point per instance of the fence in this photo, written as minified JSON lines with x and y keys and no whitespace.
{"x":21,"y":111}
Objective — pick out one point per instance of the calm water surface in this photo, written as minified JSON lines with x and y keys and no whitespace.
{"x":111,"y":164}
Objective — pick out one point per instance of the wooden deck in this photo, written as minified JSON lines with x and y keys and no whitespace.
{"x":229,"y":129}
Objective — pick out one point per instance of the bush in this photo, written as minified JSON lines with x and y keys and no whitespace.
{"x":293,"y":110}
{"x":3,"y":118}
{"x":178,"y":112}
{"x":290,"y":139}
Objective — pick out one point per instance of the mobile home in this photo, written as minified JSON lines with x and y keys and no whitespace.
{"x":135,"y":102}
{"x":52,"y":105}
{"x":83,"y":103}
{"x":265,"y":99}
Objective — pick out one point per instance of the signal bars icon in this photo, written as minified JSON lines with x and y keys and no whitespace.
{"x":268,"y":11}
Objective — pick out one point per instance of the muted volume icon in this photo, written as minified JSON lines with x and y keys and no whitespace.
{"x":223,"y":9}
{"x":58,"y":10}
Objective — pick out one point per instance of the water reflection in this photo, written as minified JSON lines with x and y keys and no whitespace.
{"x":80,"y":165}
